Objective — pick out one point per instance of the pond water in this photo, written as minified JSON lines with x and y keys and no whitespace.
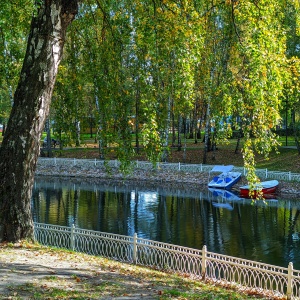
{"x":235,"y":227}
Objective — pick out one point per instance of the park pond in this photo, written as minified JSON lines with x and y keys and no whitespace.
{"x":264,"y":232}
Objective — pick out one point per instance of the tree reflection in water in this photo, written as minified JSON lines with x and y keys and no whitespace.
{"x":261,"y":232}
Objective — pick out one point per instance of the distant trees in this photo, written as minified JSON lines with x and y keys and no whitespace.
{"x":177,"y":65}
{"x":292,"y":87}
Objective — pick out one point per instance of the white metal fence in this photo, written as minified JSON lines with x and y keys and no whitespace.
{"x":200,"y":264}
{"x":89,"y":164}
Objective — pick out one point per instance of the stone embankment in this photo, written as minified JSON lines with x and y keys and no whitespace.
{"x":180,"y":180}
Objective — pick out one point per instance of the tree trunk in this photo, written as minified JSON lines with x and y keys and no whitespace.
{"x":296,"y":136}
{"x":179,"y":133}
{"x":3,"y":129}
{"x":207,"y":134}
{"x":137,"y":117}
{"x":173,"y":124}
{"x":165,"y":153}
{"x":49,"y":139}
{"x":21,"y":142}
{"x":237,"y":148}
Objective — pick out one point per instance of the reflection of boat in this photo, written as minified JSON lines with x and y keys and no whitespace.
{"x":222,"y":205}
{"x":268,"y":189}
{"x":224,"y":194}
{"x":226,"y":179}
{"x":295,"y":236}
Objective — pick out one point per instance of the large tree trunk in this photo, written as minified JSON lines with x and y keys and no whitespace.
{"x":21,"y":143}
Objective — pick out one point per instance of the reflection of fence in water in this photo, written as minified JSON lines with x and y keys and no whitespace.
{"x":197,"y":263}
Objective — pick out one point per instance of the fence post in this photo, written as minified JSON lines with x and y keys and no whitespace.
{"x":179,"y":166}
{"x":290,"y":282}
{"x":134,"y":254}
{"x":203,"y":271}
{"x":73,"y":237}
{"x":266,"y":173}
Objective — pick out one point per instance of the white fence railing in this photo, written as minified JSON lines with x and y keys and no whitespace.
{"x":200,"y":264}
{"x":89,"y":164}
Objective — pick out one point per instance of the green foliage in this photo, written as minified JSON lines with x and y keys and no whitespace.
{"x":14,"y":25}
{"x":259,"y":80}
{"x":144,"y":66}
{"x":151,"y":140}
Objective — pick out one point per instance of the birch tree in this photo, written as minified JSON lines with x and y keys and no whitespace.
{"x":21,"y":142}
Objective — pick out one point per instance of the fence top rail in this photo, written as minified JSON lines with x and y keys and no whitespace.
{"x":249,"y":264}
{"x":169,"y":247}
{"x":104,"y":235}
{"x":52,"y":227}
{"x":81,"y":231}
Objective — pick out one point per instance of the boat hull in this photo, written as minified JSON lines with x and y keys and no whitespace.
{"x":268,"y":189}
{"x":225,"y":180}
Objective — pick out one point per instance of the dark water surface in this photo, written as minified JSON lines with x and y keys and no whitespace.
{"x":189,"y":218}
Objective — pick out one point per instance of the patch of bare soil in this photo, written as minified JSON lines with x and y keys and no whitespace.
{"x":28,"y":273}
{"x":31,"y":271}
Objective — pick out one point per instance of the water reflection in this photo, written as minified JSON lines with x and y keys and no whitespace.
{"x":191,"y":218}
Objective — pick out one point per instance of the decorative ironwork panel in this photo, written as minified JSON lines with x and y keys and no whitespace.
{"x":246,"y":273}
{"x":112,"y":246}
{"x":169,"y":257}
{"x":196,"y":263}
{"x":53,"y":235}
{"x":191,"y":168}
{"x":296,"y":284}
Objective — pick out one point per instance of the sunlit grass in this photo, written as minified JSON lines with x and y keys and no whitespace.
{"x":287,"y":160}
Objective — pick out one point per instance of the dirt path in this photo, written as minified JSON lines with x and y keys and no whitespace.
{"x":28,"y":273}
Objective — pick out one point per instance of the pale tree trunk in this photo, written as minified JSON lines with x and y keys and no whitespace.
{"x":21,"y":143}
{"x":166,"y":133}
{"x":207,"y":133}
{"x":49,"y":142}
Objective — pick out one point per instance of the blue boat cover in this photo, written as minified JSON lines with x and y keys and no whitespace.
{"x":221,"y":168}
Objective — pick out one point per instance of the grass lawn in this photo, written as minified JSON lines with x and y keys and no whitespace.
{"x":287,"y":160}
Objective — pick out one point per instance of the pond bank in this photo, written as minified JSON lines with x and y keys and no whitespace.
{"x":180,"y":180}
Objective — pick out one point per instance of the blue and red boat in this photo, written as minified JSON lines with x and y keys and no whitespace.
{"x":268,"y":189}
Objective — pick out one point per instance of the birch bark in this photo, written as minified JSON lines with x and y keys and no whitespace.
{"x":21,"y":143}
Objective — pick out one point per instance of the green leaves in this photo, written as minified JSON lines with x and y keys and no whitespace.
{"x":164,"y":61}
{"x":14,"y":25}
